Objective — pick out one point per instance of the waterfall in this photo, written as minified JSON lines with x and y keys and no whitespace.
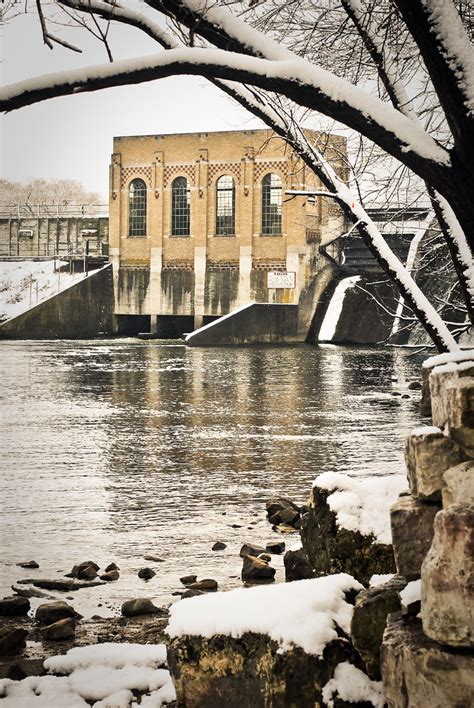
{"x":333,"y":313}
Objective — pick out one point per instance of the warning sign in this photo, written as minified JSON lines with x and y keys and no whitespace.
{"x":281,"y":279}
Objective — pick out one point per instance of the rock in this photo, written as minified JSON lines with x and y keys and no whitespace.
{"x":284,"y":516}
{"x":428,"y":454}
{"x":14,"y":606}
{"x":110,"y":576}
{"x":250,"y":671}
{"x":62,"y":629}
{"x":31,"y":592}
{"x":419,"y":672}
{"x":141,"y":606}
{"x":80,"y":567}
{"x":447,"y":579}
{"x":111,"y":566}
{"x":206,"y":585}
{"x":191,"y":593}
{"x":276,"y":547}
{"x":146,"y":573}
{"x":12,"y":640}
{"x":60,"y":584}
{"x":284,"y":528}
{"x":458,"y":484}
{"x":255,"y":570}
{"x":188,"y":579}
{"x":297,"y":566}
{"x":88,"y":573}
{"x":19,"y":669}
{"x":236,"y":526}
{"x":248,"y":549}
{"x":460,"y":412}
{"x":265,"y":557}
{"x":154,"y":559}
{"x":440,"y":378}
{"x":333,"y":549}
{"x":28,"y":564}
{"x":414,"y":386}
{"x":279,"y":504}
{"x":218,"y":546}
{"x":412,"y":532}
{"x":371,"y":609}
{"x":51,"y":612}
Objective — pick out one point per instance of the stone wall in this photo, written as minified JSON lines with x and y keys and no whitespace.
{"x":428,"y":659}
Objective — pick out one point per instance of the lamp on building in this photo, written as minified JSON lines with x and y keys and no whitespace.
{"x":246,"y":191}
{"x":157,"y":193}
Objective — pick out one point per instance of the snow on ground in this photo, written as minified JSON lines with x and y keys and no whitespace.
{"x":23,"y":284}
{"x":352,"y":685}
{"x":302,"y":613}
{"x":103,"y":675}
{"x":448,"y":358}
{"x":412,"y":593}
{"x":363,"y":504}
{"x":380,"y":579}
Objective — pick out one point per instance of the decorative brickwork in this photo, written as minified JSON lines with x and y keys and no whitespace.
{"x":172,"y":171}
{"x":178,"y":266}
{"x":216,"y":267}
{"x":261,"y":265}
{"x":225,"y":168}
{"x":132,"y":171}
{"x":263,"y":168}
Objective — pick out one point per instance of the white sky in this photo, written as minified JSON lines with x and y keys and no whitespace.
{"x":71,"y":137}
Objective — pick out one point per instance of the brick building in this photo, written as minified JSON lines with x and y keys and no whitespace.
{"x":200,"y":225}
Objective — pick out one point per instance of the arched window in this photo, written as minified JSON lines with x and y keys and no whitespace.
{"x":137,"y":208}
{"x":225,"y":206}
{"x":271,"y":205}
{"x":180,"y":207}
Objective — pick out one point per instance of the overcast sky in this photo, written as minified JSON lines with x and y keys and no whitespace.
{"x":71,"y":137}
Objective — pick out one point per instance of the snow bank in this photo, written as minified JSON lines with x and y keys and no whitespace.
{"x":103,"y":675}
{"x":352,"y":685}
{"x":411,"y":593}
{"x":380,"y":579}
{"x":23,"y":284}
{"x":362,"y":504}
{"x":450,"y":357}
{"x":302,"y":613}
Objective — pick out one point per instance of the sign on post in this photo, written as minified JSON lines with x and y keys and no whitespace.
{"x":281,"y":279}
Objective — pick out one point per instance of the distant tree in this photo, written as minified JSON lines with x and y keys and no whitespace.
{"x":45,"y":192}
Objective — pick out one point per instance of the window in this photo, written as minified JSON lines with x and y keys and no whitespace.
{"x":225,"y":206}
{"x":271,"y":205}
{"x":180,"y":207}
{"x":137,"y":208}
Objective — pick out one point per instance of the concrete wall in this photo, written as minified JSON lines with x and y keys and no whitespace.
{"x":84,"y":310}
{"x":33,"y":236}
{"x":255,"y":324}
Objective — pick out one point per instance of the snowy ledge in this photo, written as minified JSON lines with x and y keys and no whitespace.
{"x":449,"y":358}
{"x":453,"y":367}
{"x":302,"y":613}
{"x":362,"y":504}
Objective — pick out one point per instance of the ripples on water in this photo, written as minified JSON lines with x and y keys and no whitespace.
{"x":116,"y":449}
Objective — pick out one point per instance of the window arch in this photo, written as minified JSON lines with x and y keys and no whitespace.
{"x":271,"y":205}
{"x":180,"y":208}
{"x":225,"y":206}
{"x":137,"y":208}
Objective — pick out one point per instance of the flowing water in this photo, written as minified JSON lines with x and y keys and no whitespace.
{"x":117,"y":449}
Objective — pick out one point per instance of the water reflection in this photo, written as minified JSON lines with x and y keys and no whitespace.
{"x":115,"y":449}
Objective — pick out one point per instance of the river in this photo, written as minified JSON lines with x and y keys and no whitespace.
{"x":114,"y":449}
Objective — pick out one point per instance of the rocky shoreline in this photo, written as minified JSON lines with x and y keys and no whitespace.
{"x":398,"y":602}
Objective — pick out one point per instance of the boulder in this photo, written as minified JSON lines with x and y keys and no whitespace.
{"x":440,"y":378}
{"x":333,"y":549}
{"x":290,"y":517}
{"x":285,"y":528}
{"x":141,"y":606}
{"x":154,"y":559}
{"x":458,"y":484}
{"x":51,"y":612}
{"x":297,"y":566}
{"x":412,"y":533}
{"x":12,"y":640}
{"x":81,"y":567}
{"x":146,"y":573}
{"x":18,"y":669}
{"x":265,"y":557}
{"x":371,"y":609}
{"x":110,"y":576}
{"x":279,"y":504}
{"x":191,"y":593}
{"x":419,"y":672}
{"x":188,"y":579}
{"x":111,"y":566}
{"x":248,"y":549}
{"x":256,"y":570}
{"x":28,"y":564}
{"x":62,"y":629}
{"x":460,"y":412}
{"x":251,"y":671}
{"x":60,"y":584}
{"x":205,"y":585}
{"x":219,"y":546}
{"x":429,"y":453}
{"x":14,"y":606}
{"x":88,"y":573}
{"x":276,"y":547}
{"x":447,"y":579}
